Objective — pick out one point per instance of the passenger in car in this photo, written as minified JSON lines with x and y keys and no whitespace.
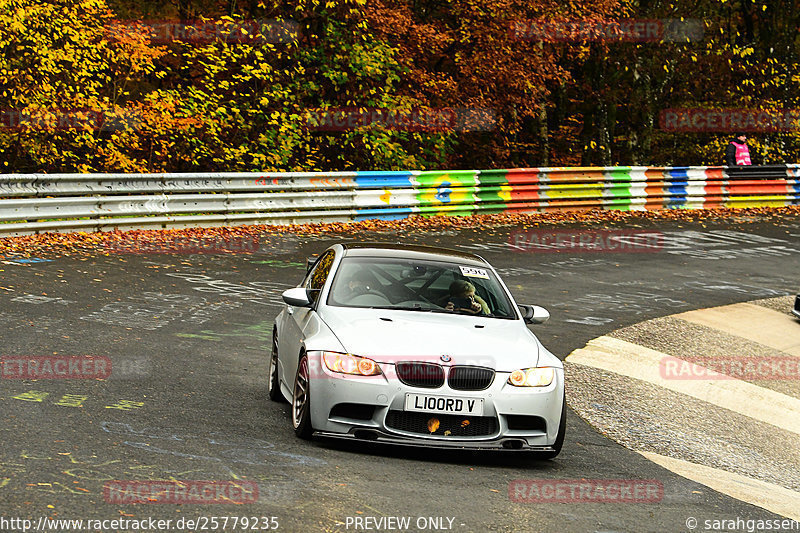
{"x":463,"y":298}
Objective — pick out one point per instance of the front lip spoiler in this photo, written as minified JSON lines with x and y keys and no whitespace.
{"x":383,"y":438}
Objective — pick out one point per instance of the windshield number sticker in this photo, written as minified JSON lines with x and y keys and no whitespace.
{"x":474,"y":272}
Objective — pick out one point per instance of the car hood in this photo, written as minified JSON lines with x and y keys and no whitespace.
{"x":389,"y":336}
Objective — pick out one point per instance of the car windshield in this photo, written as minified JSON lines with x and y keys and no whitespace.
{"x":415,"y":285}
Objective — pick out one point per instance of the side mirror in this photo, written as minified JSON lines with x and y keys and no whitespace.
{"x":533,"y":314}
{"x":297,"y":297}
{"x":310,"y":262}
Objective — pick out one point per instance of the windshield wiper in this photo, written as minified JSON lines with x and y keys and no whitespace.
{"x":402,"y":307}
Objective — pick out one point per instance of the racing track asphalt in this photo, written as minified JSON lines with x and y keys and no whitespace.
{"x":188,"y":337}
{"x":734,"y":428}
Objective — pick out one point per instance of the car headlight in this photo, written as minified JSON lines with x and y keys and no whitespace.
{"x":532,"y":377}
{"x":346,"y":363}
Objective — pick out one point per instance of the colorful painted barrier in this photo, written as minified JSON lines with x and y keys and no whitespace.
{"x":32,"y":203}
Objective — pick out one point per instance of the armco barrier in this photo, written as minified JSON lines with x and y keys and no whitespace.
{"x":34,"y":203}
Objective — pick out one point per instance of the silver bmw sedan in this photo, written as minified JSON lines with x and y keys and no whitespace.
{"x":415,"y":345}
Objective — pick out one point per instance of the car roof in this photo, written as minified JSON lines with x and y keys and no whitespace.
{"x":409,"y":251}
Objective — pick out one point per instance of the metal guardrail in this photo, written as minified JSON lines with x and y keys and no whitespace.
{"x":34,"y":203}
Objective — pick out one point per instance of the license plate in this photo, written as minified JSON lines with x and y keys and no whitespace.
{"x":442,"y":404}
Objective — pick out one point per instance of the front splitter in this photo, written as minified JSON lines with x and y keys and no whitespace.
{"x":505,"y":444}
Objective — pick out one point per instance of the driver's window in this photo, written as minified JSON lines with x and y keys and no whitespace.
{"x":317,"y":277}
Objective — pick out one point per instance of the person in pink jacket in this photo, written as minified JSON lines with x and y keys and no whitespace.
{"x":737,"y":152}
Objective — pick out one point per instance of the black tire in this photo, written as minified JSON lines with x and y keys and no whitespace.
{"x":274,"y":384}
{"x":301,"y":401}
{"x":562,"y":431}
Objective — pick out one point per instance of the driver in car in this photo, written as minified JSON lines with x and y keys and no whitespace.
{"x":463,"y":298}
{"x":358,"y":283}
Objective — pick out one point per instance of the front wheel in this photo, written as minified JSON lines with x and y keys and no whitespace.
{"x":274,"y":385}
{"x":301,"y":401}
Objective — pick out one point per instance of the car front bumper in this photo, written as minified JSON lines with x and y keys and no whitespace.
{"x":796,"y":309}
{"x":512,"y":417}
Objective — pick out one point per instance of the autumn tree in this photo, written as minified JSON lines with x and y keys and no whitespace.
{"x":66,"y":86}
{"x":86,"y":86}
